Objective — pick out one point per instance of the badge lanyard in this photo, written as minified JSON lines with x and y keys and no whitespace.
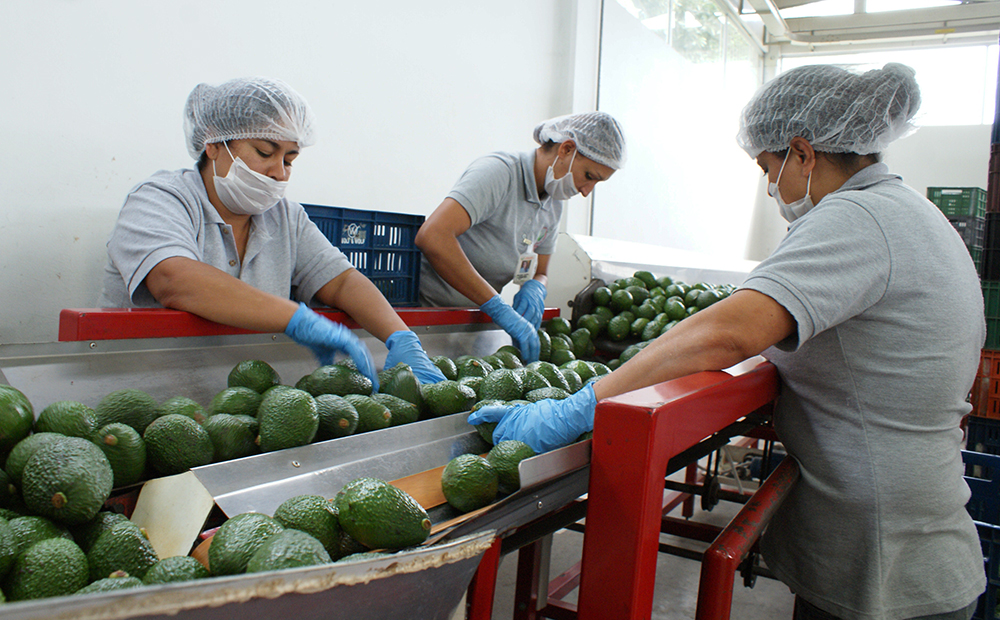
{"x":527,"y":263}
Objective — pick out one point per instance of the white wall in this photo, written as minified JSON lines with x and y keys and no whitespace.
{"x":406,"y":95}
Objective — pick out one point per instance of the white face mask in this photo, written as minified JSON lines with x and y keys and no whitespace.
{"x":791,"y":211}
{"x":246,"y":192}
{"x":562,"y":188}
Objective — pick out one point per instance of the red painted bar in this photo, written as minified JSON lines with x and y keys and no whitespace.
{"x":76,"y":324}
{"x":723,"y":557}
{"x":479,"y":600}
{"x":635,"y":435}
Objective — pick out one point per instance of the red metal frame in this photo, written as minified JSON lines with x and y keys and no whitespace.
{"x":76,"y":324}
{"x":479,"y":600}
{"x":635,"y":435}
{"x":723,"y":557}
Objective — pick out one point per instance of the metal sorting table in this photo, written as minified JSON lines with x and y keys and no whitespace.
{"x":621,"y":471}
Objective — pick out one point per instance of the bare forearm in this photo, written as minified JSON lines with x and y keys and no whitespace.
{"x":360,"y":298}
{"x":718,"y":337}
{"x":448,"y":258}
{"x":198,"y":288}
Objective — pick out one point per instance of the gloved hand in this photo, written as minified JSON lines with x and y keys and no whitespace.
{"x":544,"y":425}
{"x":404,"y":346}
{"x":529,"y":302}
{"x":325,"y":338}
{"x":525,"y":336}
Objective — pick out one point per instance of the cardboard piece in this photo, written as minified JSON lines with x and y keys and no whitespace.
{"x":173,"y":511}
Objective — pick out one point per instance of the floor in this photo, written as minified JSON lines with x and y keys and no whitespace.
{"x":676,"y":593}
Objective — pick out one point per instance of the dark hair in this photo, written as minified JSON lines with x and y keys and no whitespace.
{"x":848,"y":163}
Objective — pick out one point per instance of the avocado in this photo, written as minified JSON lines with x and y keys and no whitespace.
{"x":338,"y":379}
{"x":288,"y":549}
{"x":175,"y":443}
{"x":469,"y":482}
{"x":129,"y":406}
{"x":68,"y":480}
{"x":337,"y":417}
{"x":19,"y":456}
{"x":16,"y":417}
{"x":119,"y":580}
{"x":124,"y":547}
{"x":237,"y":400}
{"x":87,"y":533}
{"x":546,"y":393}
{"x":237,"y":540}
{"x":175,"y":568}
{"x":233,"y":437}
{"x":381,"y":516}
{"x":182,"y":405}
{"x":257,"y":375}
{"x":51,"y":567}
{"x":403,"y":412}
{"x":314,"y":515}
{"x":125,"y":450}
{"x":67,"y":417}
{"x":400,"y":382}
{"x":505,"y":458}
{"x":8,"y":549}
{"x":501,"y":384}
{"x":446,"y":366}
{"x":447,"y":397}
{"x":288,"y":418}
{"x":372,"y":415}
{"x":28,"y":530}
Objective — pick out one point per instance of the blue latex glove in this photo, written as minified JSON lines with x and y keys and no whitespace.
{"x":325,"y":338}
{"x":525,"y":336}
{"x":544,"y":425}
{"x":530,"y":302}
{"x":404,"y":346}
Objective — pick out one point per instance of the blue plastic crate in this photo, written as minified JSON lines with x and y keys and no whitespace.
{"x":982,"y":434}
{"x":380,"y":245}
{"x":983,"y":477}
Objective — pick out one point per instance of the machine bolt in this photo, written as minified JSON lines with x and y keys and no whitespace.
{"x":539,"y":505}
{"x":93,"y":345}
{"x":295,"y":464}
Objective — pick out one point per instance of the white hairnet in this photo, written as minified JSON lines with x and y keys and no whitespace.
{"x":597,"y":135}
{"x":246,"y":108}
{"x":836,"y":110}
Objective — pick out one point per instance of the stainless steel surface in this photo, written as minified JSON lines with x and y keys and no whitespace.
{"x":192,"y":367}
{"x":553,"y":464}
{"x":425,"y":583}
{"x":261,"y":483}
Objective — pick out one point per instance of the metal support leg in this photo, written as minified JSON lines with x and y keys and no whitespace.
{"x":532,"y":578}
{"x":479,"y":601}
{"x":719,"y":564}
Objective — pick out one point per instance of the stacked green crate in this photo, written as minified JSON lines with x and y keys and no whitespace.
{"x":965,"y":208}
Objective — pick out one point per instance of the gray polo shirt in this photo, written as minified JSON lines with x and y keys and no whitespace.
{"x":890,"y":325}
{"x":499,"y":193}
{"x":169,"y":215}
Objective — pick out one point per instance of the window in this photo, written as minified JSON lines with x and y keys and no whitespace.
{"x":958,"y":85}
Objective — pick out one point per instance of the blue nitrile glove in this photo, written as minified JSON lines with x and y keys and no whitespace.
{"x":525,"y":336}
{"x":325,"y":338}
{"x":404,"y":346}
{"x":530,"y":302}
{"x":544,"y":425}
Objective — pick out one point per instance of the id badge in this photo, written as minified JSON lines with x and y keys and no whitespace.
{"x":526,"y":265}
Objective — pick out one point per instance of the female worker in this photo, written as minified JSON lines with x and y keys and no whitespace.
{"x":501,"y":219}
{"x":221,"y":240}
{"x":871,"y":310}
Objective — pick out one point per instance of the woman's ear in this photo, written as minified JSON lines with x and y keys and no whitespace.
{"x":566,"y":148}
{"x":802,"y":150}
{"x":212,"y":150}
